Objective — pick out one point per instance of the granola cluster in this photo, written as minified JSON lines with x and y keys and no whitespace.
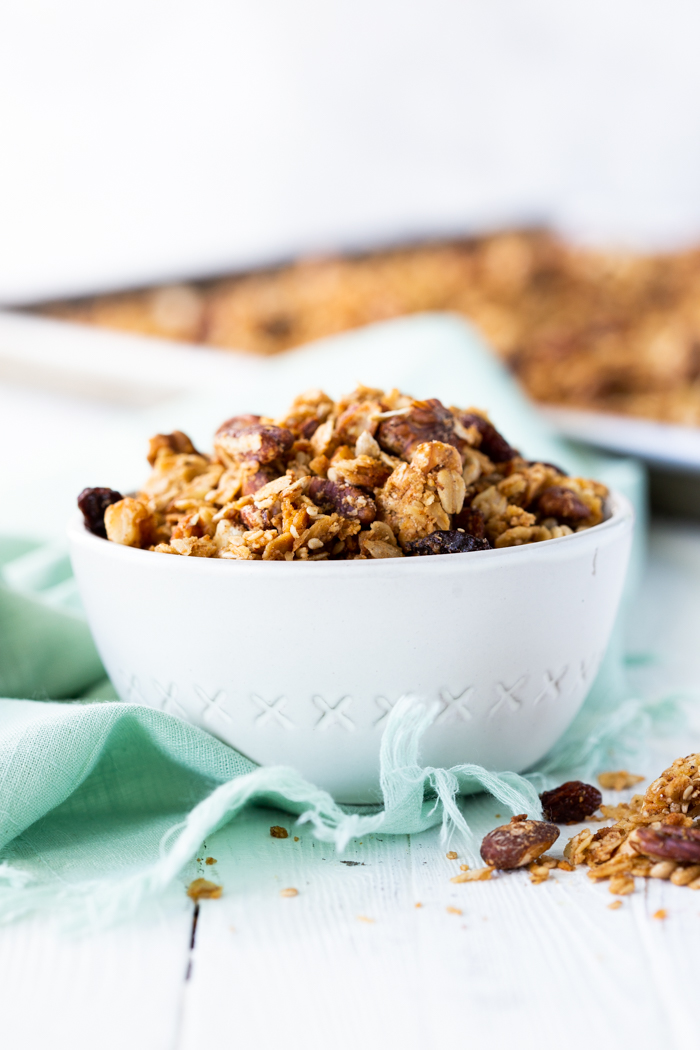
{"x":656,"y":835}
{"x":376,"y":474}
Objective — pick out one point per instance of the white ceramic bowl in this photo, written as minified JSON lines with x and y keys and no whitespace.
{"x":299,"y":663}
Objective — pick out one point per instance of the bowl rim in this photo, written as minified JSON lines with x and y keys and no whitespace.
{"x":620,"y":517}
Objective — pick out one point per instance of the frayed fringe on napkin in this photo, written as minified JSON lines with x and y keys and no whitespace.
{"x":415,"y":798}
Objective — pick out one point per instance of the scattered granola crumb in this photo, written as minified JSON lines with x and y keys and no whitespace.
{"x":451,"y":855}
{"x":296,"y":838}
{"x":660,"y":914}
{"x":202,"y":890}
{"x":615,"y":905}
{"x":464,"y":867}
{"x":618,"y":780}
{"x":453,"y":911}
{"x":289,"y":892}
{"x":364,"y":918}
{"x":418,"y":904}
{"x":476,"y":875}
{"x":279,"y":833}
{"x":211,"y":860}
{"x":564,"y":865}
{"x":621,"y":885}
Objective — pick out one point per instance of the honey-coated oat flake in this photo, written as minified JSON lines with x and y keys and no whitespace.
{"x":376,"y":474}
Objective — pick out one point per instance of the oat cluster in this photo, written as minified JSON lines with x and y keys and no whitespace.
{"x":376,"y":474}
{"x":655,"y":835}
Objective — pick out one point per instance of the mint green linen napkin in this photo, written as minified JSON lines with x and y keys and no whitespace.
{"x":102,"y":803}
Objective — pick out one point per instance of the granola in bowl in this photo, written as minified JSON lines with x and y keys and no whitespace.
{"x":376,"y":474}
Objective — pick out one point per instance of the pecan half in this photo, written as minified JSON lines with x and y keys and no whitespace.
{"x":246,"y":438}
{"x":252,"y":482}
{"x":668,"y":842}
{"x":93,"y":503}
{"x":346,"y":500}
{"x":493,"y":444}
{"x":516,"y":844}
{"x":446,"y":541}
{"x":563,"y":504}
{"x":571,"y":802}
{"x":425,"y":421}
{"x":175,"y":442}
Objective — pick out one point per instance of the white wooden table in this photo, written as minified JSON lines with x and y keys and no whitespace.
{"x":352,"y":960}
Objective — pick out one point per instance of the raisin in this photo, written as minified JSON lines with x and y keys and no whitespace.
{"x":472,"y":521}
{"x":346,"y":500}
{"x":516,"y":844}
{"x":493,"y":444}
{"x":562,"y":503}
{"x":93,"y":503}
{"x":571,"y":802}
{"x":668,"y":842}
{"x":447,"y":541}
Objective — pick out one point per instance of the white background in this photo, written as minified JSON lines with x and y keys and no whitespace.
{"x":146,"y":139}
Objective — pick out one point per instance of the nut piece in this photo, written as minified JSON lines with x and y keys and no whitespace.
{"x":668,"y":842}
{"x":424,"y":421}
{"x":345,"y":500}
{"x":246,"y":438}
{"x":93,"y":503}
{"x":571,"y":802}
{"x":130,"y":523}
{"x":204,"y":890}
{"x":492,"y":443}
{"x":516,"y":844}
{"x":175,"y":442}
{"x":446,"y":541}
{"x":562,"y":503}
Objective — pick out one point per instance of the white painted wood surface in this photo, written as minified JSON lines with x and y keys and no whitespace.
{"x":308,"y":971}
{"x":520,"y":965}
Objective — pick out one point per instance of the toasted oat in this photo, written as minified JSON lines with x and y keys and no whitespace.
{"x":660,"y":914}
{"x":452,"y":855}
{"x":453,"y":911}
{"x":614,"y":905}
{"x":618,"y":780}
{"x":290,"y":891}
{"x":364,"y":918}
{"x":475,"y":875}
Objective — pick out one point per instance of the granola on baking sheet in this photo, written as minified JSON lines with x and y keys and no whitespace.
{"x":598,"y":330}
{"x":376,"y":474}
